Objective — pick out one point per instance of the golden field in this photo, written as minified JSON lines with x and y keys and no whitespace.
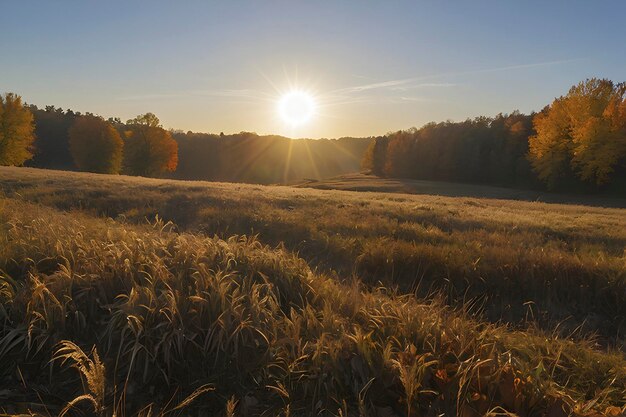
{"x":134,"y":296}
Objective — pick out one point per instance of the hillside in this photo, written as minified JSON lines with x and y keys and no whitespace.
{"x":297,"y":301}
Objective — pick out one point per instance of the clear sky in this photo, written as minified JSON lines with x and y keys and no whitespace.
{"x":371,"y":66}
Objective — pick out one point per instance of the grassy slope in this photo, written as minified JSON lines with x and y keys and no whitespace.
{"x":514,"y":261}
{"x":169,"y":308}
{"x":169,"y":312}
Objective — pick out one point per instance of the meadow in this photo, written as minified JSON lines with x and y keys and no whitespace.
{"x":135,"y":296}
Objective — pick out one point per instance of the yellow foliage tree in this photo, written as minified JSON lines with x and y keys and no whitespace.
{"x":95,"y":145}
{"x":150,"y":150}
{"x":584,"y":131}
{"x":16,"y":131}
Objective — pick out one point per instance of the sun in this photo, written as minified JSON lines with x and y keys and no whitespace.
{"x":296,"y":107}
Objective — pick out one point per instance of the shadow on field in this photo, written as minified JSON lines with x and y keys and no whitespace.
{"x":372,"y":183}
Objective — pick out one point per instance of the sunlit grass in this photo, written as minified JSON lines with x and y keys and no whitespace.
{"x":514,"y":261}
{"x":163,"y":317}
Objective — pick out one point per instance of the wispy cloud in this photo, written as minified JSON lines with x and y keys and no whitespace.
{"x":363,"y":77}
{"x":149,"y":97}
{"x":405,"y":98}
{"x":398,"y":90}
{"x":409,"y":83}
{"x":398,"y":85}
{"x":225,"y":93}
{"x":423,"y":85}
{"x":517,"y":67}
{"x":235,"y":93}
{"x":383,"y":84}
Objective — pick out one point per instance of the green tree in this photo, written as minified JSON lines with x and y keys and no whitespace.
{"x":16,"y":131}
{"x":150,"y":150}
{"x":95,"y":145}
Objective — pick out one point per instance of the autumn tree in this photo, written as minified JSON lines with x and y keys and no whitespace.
{"x":16,"y":131}
{"x":399,"y":153}
{"x":583,"y":132}
{"x":95,"y":145}
{"x":375,"y":155}
{"x":150,"y":150}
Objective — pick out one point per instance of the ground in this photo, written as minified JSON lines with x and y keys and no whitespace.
{"x":365,"y":182}
{"x":297,"y":300}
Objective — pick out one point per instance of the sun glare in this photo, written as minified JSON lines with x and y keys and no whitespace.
{"x":296,"y":107}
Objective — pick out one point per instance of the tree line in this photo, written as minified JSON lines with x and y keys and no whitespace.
{"x":54,"y":138}
{"x":270,"y":159}
{"x":481,"y":150}
{"x":576,"y":143}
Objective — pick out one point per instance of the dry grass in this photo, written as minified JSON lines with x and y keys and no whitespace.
{"x":180,"y":323}
{"x":523,"y":263}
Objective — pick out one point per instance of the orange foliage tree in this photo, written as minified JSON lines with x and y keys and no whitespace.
{"x":16,"y":130}
{"x":95,"y":145}
{"x":375,"y":155}
{"x":583,"y":132}
{"x":150,"y":150}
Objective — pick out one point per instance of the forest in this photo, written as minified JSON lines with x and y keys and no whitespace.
{"x":271,"y":159}
{"x":577,"y":143}
{"x":240,"y":157}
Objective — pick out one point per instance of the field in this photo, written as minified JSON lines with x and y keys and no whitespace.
{"x":365,"y":182}
{"x":145,"y":296}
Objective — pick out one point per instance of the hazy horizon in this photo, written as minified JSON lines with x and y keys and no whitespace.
{"x":371,"y":69}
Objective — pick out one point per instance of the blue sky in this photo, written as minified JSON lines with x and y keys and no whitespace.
{"x":371,"y":66}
